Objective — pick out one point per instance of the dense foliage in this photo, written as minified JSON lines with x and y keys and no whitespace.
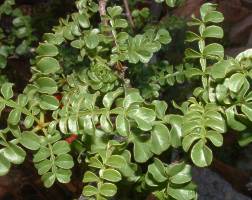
{"x":83,"y":86}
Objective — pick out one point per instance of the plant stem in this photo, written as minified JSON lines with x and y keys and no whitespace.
{"x":102,"y":11}
{"x":128,"y":13}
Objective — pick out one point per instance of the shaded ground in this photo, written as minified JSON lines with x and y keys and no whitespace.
{"x":212,"y":187}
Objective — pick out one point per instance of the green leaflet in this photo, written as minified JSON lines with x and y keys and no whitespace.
{"x":110,"y":175}
{"x":122,"y":125}
{"x":47,"y":49}
{"x":30,"y":140}
{"x":232,"y":122}
{"x":213,"y":32}
{"x":48,"y":65}
{"x":143,"y":117}
{"x":202,"y":124}
{"x":92,"y":40}
{"x":14,"y":154}
{"x":142,"y":151}
{"x":5,"y":165}
{"x":108,"y":189}
{"x":175,"y":178}
{"x":236,"y":81}
{"x":49,"y":102}
{"x":201,"y":154}
{"x":90,"y":177}
{"x":48,"y":179}
{"x":6,"y":90}
{"x":46,"y":85}
{"x":160,"y":139}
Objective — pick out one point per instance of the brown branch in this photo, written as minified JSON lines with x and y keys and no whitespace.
{"x":102,"y":11}
{"x":128,"y":13}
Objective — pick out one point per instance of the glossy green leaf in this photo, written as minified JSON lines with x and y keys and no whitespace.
{"x":201,"y":155}
{"x":174,"y":168}
{"x":216,"y":123}
{"x":48,"y":65}
{"x":89,"y":190}
{"x":207,"y":8}
{"x":149,"y":180}
{"x":96,"y":163}
{"x":4,"y":165}
{"x":247,"y":110}
{"x":92,"y":40}
{"x":191,"y":36}
{"x":221,"y":93}
{"x":110,"y":175}
{"x":143,"y":117}
{"x":47,"y":49}
{"x":28,"y":122}
{"x":21,"y":32}
{"x":114,"y":11}
{"x":6,"y":90}
{"x":48,"y":179}
{"x":188,"y":140}
{"x":160,"y":139}
{"x":245,"y":139}
{"x":120,"y":23}
{"x":220,"y":69}
{"x":83,"y":20}
{"x":30,"y":140}
{"x":44,"y":166}
{"x":181,"y":194}
{"x":163,"y":36}
{"x":184,"y":176}
{"x":46,"y":85}
{"x":215,"y":137}
{"x":176,"y":130}
{"x":132,"y":97}
{"x":214,"y":16}
{"x":73,"y":124}
{"x":90,"y":177}
{"x":63,"y":175}
{"x":106,"y":124}
{"x":122,"y":125}
{"x":232,"y":122}
{"x":160,"y":108}
{"x":157,"y":170}
{"x":49,"y":102}
{"x":22,"y":100}
{"x":244,"y":55}
{"x":110,"y":97}
{"x":61,"y":147}
{"x":64,"y":161}
{"x":214,"y":50}
{"x":141,"y":49}
{"x":236,"y":81}
{"x":213,"y":32}
{"x":14,"y":117}
{"x":67,"y":32}
{"x":42,"y":154}
{"x":115,"y":161}
{"x":108,"y":189}
{"x":142,"y":151}
{"x":78,"y":44}
{"x":192,"y":54}
{"x":171,"y":3}
{"x":14,"y":153}
{"x":56,"y":38}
